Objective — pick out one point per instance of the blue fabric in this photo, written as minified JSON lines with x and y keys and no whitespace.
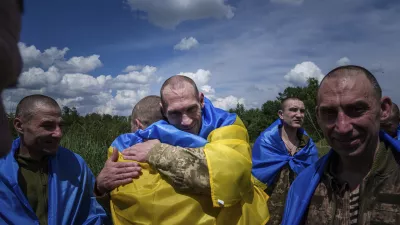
{"x":212,"y":118}
{"x":70,"y":199}
{"x":303,"y":187}
{"x":398,"y":133}
{"x":270,"y":155}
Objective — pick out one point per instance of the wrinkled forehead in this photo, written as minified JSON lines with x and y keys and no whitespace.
{"x":183,"y":92}
{"x":45,"y":112}
{"x":345,"y":87}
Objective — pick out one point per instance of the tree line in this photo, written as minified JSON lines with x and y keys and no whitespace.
{"x":90,"y":135}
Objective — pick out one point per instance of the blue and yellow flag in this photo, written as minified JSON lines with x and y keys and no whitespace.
{"x":152,"y":200}
{"x":70,"y":192}
{"x":270,"y":155}
{"x":302,"y":189}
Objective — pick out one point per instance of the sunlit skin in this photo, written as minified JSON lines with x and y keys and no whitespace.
{"x":349,"y":114}
{"x":183,"y":109}
{"x":293,"y":113}
{"x":41,"y":134}
{"x":10,"y":62}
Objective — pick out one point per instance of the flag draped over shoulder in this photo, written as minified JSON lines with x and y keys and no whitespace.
{"x":70,"y":192}
{"x":152,"y":200}
{"x":270,"y":154}
{"x":303,"y":187}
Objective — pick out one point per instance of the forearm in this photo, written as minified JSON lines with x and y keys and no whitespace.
{"x":185,"y":168}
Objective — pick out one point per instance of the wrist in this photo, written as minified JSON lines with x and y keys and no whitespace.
{"x":99,"y":191}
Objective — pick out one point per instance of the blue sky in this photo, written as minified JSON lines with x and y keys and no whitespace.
{"x":237,"y":51}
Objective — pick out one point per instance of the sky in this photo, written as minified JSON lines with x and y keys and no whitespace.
{"x":104,"y":56}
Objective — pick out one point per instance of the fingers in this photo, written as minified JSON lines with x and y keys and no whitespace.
{"x":134,"y":158}
{"x":125,"y":164}
{"x":114,"y":156}
{"x":128,"y":151}
{"x":124,"y":176}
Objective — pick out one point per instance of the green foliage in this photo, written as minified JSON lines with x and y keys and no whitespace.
{"x":91,"y":135}
{"x":257,"y":120}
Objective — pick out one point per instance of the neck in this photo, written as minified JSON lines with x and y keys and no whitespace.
{"x":29,"y":152}
{"x":289,"y":134}
{"x":353,"y":169}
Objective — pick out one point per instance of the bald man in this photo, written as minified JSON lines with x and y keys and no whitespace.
{"x":42,"y":182}
{"x":358,"y":181}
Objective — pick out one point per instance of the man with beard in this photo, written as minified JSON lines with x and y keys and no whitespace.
{"x":41,"y":182}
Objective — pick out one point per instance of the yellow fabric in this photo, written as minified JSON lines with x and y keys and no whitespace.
{"x":152,"y":200}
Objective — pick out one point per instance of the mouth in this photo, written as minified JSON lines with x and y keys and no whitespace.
{"x":188,"y":129}
{"x":52,"y":142}
{"x":348,"y":142}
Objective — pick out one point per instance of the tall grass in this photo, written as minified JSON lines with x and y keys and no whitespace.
{"x":90,"y":137}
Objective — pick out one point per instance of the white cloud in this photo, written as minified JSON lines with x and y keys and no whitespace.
{"x":134,"y":79}
{"x":228,"y":102}
{"x":302,"y":72}
{"x":343,"y":61}
{"x":207,"y":89}
{"x":186,"y":44}
{"x":170,"y":13}
{"x":33,"y":57}
{"x":83,"y":64}
{"x":291,"y":2}
{"x":201,"y":77}
{"x":37,"y":77}
{"x":131,"y":68}
{"x":48,"y":72}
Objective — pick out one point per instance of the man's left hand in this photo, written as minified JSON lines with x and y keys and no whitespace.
{"x":139,"y":152}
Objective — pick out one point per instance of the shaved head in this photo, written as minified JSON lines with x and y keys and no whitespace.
{"x":352,"y":70}
{"x":175,"y":83}
{"x":26,"y":108}
{"x":148,"y":110}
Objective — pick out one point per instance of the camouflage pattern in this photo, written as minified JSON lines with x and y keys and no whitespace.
{"x":185,"y":168}
{"x":280,"y":188}
{"x":379,"y":201}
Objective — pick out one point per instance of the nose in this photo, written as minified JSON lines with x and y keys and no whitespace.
{"x":57,"y":133}
{"x":186,"y":120}
{"x":343,"y":123}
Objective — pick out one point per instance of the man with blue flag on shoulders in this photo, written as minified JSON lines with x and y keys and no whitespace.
{"x":358,"y":181}
{"x":196,"y":168}
{"x":281,"y":152}
{"x":41,"y":182}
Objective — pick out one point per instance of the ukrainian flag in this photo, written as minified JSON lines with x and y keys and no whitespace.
{"x":234,"y":199}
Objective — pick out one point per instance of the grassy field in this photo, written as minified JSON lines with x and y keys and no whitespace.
{"x":92,"y":142}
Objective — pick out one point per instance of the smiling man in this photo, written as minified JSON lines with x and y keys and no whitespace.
{"x":41,"y":182}
{"x":281,"y":152}
{"x":358,"y":181}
